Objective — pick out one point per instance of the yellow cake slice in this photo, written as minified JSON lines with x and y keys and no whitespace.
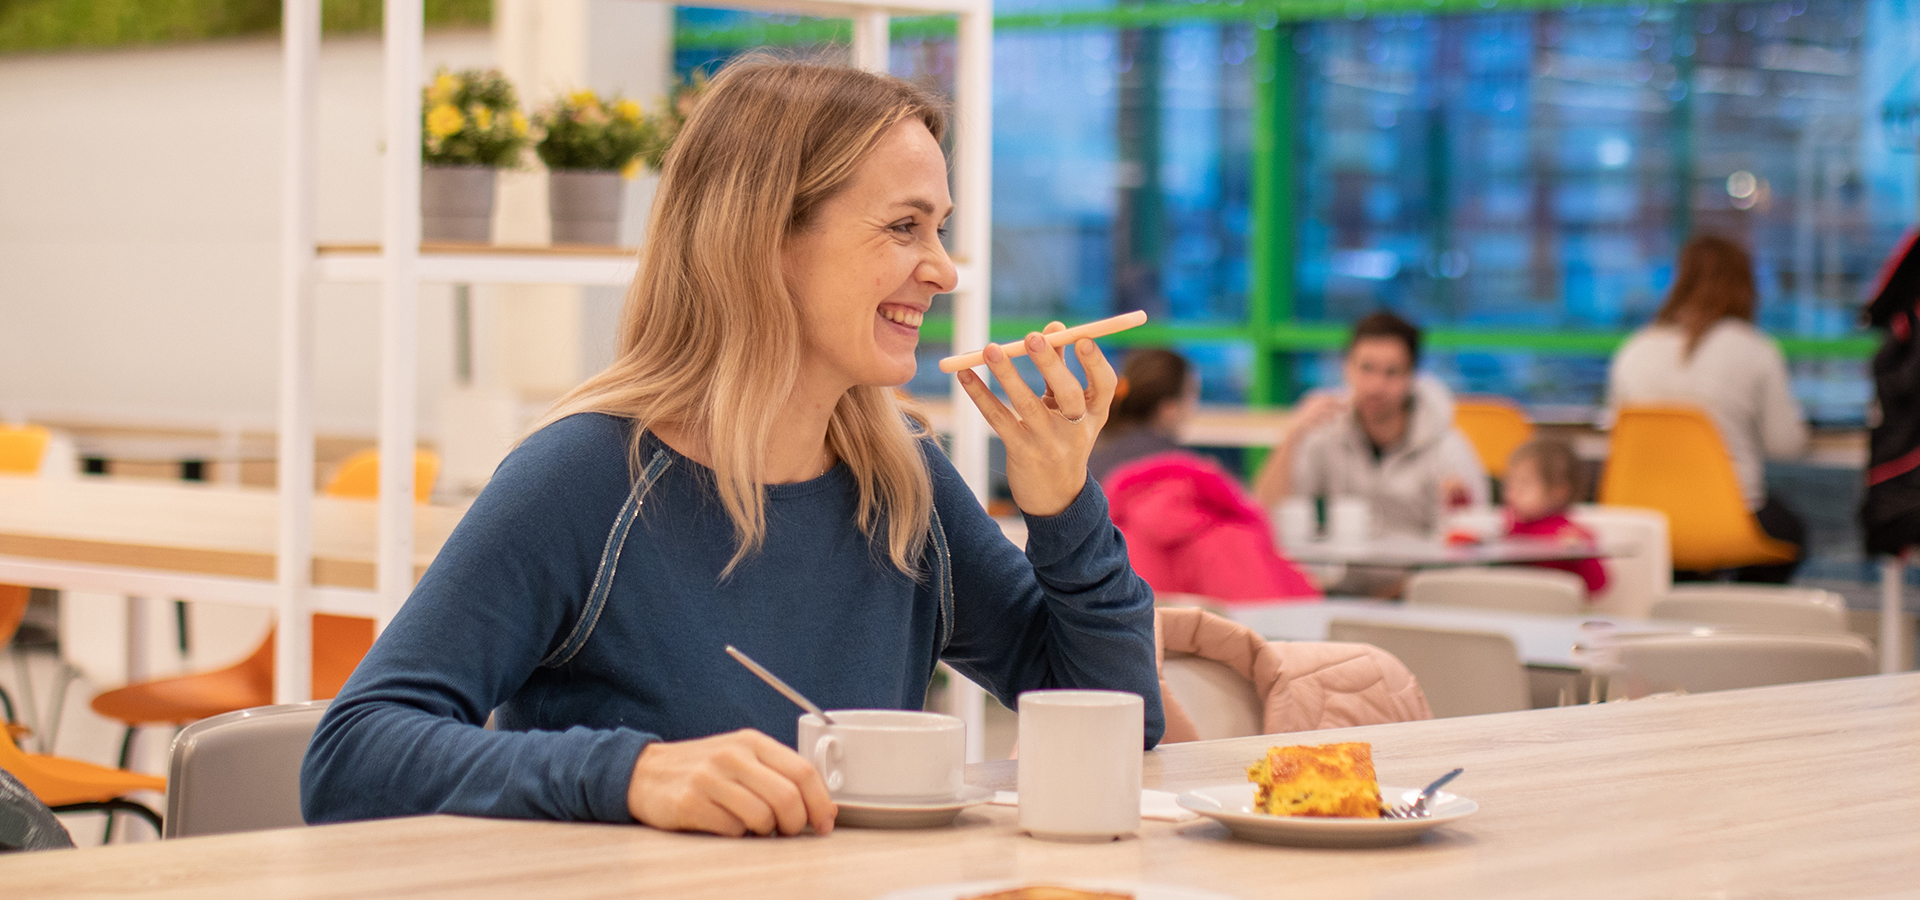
{"x":1331,"y":780}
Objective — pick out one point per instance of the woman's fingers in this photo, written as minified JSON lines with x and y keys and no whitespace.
{"x":1067,"y":393}
{"x":808,"y":801}
{"x":998,"y":416}
{"x":1025,"y":402}
{"x":728,"y":784}
{"x":1102,"y":380}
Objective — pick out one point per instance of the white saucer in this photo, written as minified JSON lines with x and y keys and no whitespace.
{"x":1232,"y":805}
{"x":909,"y":815}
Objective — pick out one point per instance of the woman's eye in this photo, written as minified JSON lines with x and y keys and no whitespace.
{"x":903,"y":228}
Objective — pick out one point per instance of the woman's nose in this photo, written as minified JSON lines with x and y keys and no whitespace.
{"x":939,"y":271}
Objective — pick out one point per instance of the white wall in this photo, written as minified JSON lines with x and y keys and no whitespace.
{"x":139,"y":205}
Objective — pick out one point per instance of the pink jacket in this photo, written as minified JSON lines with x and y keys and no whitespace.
{"x":1303,"y":685}
{"x":1191,"y":529}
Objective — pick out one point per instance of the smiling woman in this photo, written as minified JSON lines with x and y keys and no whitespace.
{"x":743,"y":474}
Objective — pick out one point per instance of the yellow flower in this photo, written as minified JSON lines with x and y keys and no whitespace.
{"x":444,"y":121}
{"x":632,"y":169}
{"x":518,"y":120}
{"x":482,"y":117}
{"x":628,"y":110}
{"x":585,"y":98}
{"x":445,"y":85}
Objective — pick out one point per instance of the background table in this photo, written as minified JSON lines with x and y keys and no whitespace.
{"x":1543,"y":640}
{"x":1417,"y":553}
{"x":1676,"y":797}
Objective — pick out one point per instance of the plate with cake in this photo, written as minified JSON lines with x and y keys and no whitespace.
{"x":1323,"y":796}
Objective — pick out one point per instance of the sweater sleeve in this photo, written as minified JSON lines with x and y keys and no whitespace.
{"x":1783,"y":427}
{"x":406,"y":735}
{"x":1069,"y":613}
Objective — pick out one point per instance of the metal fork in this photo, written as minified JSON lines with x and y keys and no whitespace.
{"x":1418,"y":808}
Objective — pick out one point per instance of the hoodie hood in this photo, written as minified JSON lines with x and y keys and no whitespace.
{"x":1432,"y":413}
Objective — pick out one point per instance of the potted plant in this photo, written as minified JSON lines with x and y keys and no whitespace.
{"x":590,"y":145}
{"x":471,"y":126}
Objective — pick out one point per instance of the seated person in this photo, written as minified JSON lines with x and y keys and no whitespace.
{"x":1702,"y":349}
{"x":1191,"y":528}
{"x":743,"y":474}
{"x":1387,"y":436}
{"x":1543,"y":477}
{"x":1158,"y":394}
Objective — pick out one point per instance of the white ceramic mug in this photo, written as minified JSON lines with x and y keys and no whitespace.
{"x":1294,"y":519}
{"x":1349,"y":520}
{"x":1079,"y":769}
{"x":887,"y":755}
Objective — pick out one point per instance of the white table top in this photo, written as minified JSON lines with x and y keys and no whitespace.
{"x":1671,"y":797}
{"x":1543,"y":640}
{"x":1404,"y":552}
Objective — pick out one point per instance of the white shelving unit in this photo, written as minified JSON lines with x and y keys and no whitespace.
{"x":399,"y":263}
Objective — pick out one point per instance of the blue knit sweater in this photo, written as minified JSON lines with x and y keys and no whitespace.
{"x":588,"y":612}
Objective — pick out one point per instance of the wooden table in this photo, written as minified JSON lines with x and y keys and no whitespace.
{"x":1806,"y":790}
{"x":195,"y":542}
{"x":1549,"y":641}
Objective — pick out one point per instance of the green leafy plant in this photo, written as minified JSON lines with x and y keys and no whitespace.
{"x":471,"y":118}
{"x":582,"y":131}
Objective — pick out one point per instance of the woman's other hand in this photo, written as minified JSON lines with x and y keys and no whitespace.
{"x":1048,"y":438}
{"x":730,"y":784}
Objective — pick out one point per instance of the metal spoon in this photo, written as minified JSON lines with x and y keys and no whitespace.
{"x":779,"y":685}
{"x":1418,"y":808}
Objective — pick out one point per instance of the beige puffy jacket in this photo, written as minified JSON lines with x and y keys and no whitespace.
{"x":1305,"y":685}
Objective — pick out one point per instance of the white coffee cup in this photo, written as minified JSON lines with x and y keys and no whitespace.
{"x":1349,"y":520}
{"x":887,"y":755}
{"x":1294,"y":518}
{"x":1079,"y":768}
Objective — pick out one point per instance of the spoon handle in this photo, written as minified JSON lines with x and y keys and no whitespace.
{"x":778,"y":685}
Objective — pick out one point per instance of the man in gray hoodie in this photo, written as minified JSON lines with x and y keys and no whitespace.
{"x":1387,"y":436}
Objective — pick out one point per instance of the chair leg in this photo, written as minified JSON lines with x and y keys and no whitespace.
{"x":6,"y":705}
{"x":126,"y":746}
{"x":111,"y":807}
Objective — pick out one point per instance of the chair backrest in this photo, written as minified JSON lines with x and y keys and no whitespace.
{"x":1495,"y":426}
{"x":1464,"y":673}
{"x":1777,"y":609}
{"x":1672,"y":458}
{"x":240,"y":771}
{"x":23,"y":448}
{"x":13,"y":609}
{"x":1636,"y":580}
{"x":1510,"y":588}
{"x":339,"y":643}
{"x":1220,"y":702}
{"x":1726,"y":661}
{"x":359,"y":475}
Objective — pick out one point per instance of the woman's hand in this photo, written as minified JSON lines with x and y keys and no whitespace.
{"x":1048,"y":438}
{"x":729,"y":784}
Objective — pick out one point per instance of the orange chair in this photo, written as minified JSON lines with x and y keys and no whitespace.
{"x":69,"y":785}
{"x":22,"y":447}
{"x":1495,"y":426}
{"x":359,"y":476}
{"x":1671,"y":458}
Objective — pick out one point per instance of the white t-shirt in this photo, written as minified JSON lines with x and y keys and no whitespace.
{"x":1737,"y":375}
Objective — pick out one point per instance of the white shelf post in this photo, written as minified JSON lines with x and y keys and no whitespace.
{"x":400,"y":302}
{"x":872,"y":44}
{"x":300,"y":37}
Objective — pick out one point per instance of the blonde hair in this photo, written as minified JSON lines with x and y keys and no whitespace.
{"x":710,"y":338}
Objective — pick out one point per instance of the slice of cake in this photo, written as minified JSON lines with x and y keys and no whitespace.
{"x":1331,"y":780}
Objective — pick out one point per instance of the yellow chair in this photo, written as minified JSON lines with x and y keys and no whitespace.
{"x":1495,"y":426}
{"x":1671,"y":458}
{"x":359,"y":476}
{"x":22,"y":447}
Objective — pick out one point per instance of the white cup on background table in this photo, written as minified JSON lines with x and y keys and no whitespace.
{"x":887,"y":755}
{"x":1349,"y":520}
{"x":1296,"y":521}
{"x":1079,"y":768}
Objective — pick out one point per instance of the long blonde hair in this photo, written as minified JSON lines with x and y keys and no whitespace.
{"x":710,"y":337}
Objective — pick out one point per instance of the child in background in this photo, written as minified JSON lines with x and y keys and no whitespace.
{"x":1542,"y":481}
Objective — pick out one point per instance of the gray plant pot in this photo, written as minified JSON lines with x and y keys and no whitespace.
{"x":456,"y":203}
{"x":586,"y":206}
